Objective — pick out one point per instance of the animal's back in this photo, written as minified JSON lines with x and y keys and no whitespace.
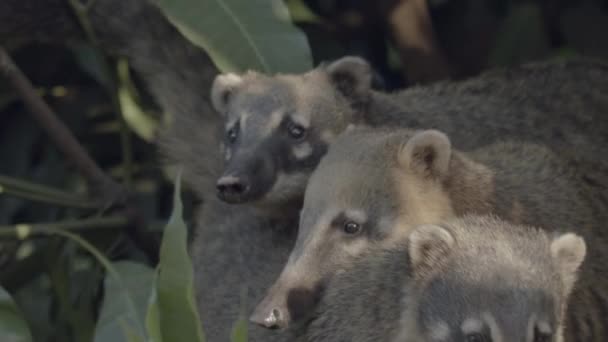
{"x":562,"y":103}
{"x":554,"y":195}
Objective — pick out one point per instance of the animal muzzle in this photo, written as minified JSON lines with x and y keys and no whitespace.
{"x":233,"y":188}
{"x":285,"y":304}
{"x":272,"y":312}
{"x":246,"y":179}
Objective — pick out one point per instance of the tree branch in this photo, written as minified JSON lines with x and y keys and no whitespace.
{"x":26,"y":230}
{"x":111,"y":191}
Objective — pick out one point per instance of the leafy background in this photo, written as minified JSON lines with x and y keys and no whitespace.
{"x":70,"y":272}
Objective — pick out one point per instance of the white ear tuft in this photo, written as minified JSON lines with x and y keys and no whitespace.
{"x":427,"y":153}
{"x":222,"y":88}
{"x":429,"y":245}
{"x":352,"y":76}
{"x":568,"y":252}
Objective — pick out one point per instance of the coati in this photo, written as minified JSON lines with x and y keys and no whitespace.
{"x":278,"y":127}
{"x":476,"y":278}
{"x":374,"y":186}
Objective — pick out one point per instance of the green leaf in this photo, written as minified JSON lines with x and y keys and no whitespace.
{"x":136,"y":118}
{"x":239,"y":330}
{"x":13,"y":327}
{"x":179,"y":319}
{"x":116,"y":320}
{"x":130,"y":334}
{"x":242,"y":34}
{"x":153,"y":318}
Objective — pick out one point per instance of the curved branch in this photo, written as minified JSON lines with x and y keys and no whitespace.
{"x":111,"y":191}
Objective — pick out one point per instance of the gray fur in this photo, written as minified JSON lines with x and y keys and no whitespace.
{"x":543,"y":103}
{"x":522,"y":183}
{"x":486,"y":270}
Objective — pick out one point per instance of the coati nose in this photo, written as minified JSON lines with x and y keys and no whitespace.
{"x":232,"y":189}
{"x":273,"y":319}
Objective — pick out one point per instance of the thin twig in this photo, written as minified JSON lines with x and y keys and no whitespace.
{"x":45,"y":194}
{"x":26,"y":230}
{"x":111,"y":191}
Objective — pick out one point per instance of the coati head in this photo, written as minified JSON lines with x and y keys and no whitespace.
{"x":480,"y":279}
{"x":371,"y":189}
{"x":278,"y":127}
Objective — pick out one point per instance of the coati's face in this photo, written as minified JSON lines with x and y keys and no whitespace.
{"x":278,"y":128}
{"x":484,"y":280}
{"x":371,"y":188}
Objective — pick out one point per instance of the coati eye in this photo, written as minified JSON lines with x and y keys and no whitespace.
{"x":351,"y":227}
{"x":233,"y":133}
{"x":477,"y":337}
{"x":296,"y":131}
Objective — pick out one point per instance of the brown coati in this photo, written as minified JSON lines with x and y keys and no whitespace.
{"x":278,"y":127}
{"x":476,"y":278}
{"x":374,"y":186}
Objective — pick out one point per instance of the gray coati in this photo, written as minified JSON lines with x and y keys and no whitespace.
{"x":476,"y":278}
{"x":374,"y":186}
{"x":278,"y":127}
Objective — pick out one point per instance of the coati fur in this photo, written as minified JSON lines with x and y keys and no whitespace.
{"x":374,"y":186}
{"x":476,"y":276}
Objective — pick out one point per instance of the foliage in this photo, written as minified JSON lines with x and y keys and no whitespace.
{"x":242,"y":34}
{"x":12,"y":326}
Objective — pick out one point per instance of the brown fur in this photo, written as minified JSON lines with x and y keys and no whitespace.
{"x":396,"y":180}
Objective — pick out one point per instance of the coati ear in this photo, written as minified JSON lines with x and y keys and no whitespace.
{"x":568,"y":252}
{"x":427,"y":153}
{"x":352,"y":76}
{"x":223,"y":86}
{"x":428,"y":245}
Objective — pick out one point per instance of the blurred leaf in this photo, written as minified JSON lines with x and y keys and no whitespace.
{"x":301,"y":13}
{"x":122,"y":289}
{"x":239,"y":330}
{"x":179,"y":319}
{"x":564,"y":53}
{"x":131,"y":335}
{"x":13,"y":327}
{"x":141,"y":123}
{"x":153,"y":318}
{"x":521,"y":37}
{"x":116,"y":318}
{"x":242,"y":34}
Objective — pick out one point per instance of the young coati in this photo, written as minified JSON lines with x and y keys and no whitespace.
{"x":476,"y":278}
{"x":278,"y":127}
{"x":374,"y":186}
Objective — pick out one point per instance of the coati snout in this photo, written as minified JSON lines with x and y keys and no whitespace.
{"x":247,"y":177}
